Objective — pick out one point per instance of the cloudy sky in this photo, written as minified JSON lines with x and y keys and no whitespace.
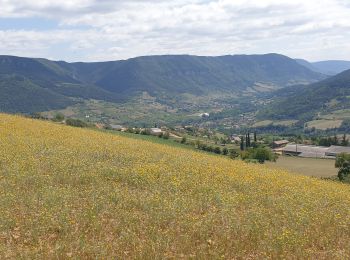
{"x":97,"y":30}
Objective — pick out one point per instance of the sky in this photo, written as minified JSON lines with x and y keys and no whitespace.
{"x":100,"y":30}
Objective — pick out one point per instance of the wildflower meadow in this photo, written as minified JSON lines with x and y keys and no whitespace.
{"x":67,"y":192}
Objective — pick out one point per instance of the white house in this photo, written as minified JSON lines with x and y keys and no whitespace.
{"x":117,"y":127}
{"x":156,"y":131}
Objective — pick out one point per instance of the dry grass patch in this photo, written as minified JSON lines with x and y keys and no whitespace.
{"x":324,"y":124}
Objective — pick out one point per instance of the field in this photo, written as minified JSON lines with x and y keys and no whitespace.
{"x":324,"y":124}
{"x":144,"y":109}
{"x":77,"y":193}
{"x":306,"y":166}
{"x":338,"y":114}
{"x":139,"y":112}
{"x":275,"y":123}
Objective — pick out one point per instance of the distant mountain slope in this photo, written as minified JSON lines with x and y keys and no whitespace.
{"x":202,"y":75}
{"x":311,"y":66}
{"x":30,"y":85}
{"x":332,"y":67}
{"x":329,"y":67}
{"x":305,"y":101}
{"x":59,"y":83}
{"x":20,"y":94}
{"x":39,"y":70}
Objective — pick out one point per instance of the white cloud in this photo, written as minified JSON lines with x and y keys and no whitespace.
{"x":106,"y":29}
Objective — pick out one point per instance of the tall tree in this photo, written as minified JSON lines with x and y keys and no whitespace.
{"x":335,"y":142}
{"x":242,"y":143}
{"x":344,"y":141}
{"x":248,"y":140}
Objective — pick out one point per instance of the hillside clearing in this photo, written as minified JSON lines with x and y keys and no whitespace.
{"x":68,"y":192}
{"x":338,"y":114}
{"x":324,"y":124}
{"x":275,"y":123}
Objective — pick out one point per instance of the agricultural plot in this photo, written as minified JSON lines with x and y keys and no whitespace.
{"x":77,"y":193}
{"x":324,"y":124}
{"x":306,"y":166}
{"x":338,"y":114}
{"x":130,"y":113}
{"x":275,"y":123}
{"x":263,"y":123}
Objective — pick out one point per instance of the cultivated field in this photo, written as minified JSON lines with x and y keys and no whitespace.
{"x":338,"y":114}
{"x":275,"y":123}
{"x":306,"y":166}
{"x":76,"y":193}
{"x":324,"y":124}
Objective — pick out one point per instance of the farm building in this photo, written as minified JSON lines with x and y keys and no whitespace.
{"x":117,"y":127}
{"x":99,"y":126}
{"x":156,"y":131}
{"x":334,"y":150}
{"x":235,"y":139}
{"x":279,"y":144}
{"x":313,"y":151}
{"x":204,"y":115}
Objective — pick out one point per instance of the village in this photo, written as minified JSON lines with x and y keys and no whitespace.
{"x":279,"y":147}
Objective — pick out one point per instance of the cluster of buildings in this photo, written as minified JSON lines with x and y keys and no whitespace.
{"x":313,"y":151}
{"x":153,"y":131}
{"x":283,"y":147}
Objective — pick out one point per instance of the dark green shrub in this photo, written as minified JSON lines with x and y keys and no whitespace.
{"x":233,"y":153}
{"x":217,"y":150}
{"x":76,"y":122}
{"x":261,"y":154}
{"x":59,"y":117}
{"x":343,"y":163}
{"x":209,"y":149}
{"x":166,"y":135}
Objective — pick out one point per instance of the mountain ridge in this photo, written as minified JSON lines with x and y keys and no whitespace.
{"x":327,"y":67}
{"x":161,"y":76}
{"x":304,"y":102}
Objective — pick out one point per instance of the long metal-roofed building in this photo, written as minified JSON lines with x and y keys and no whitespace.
{"x":313,"y":151}
{"x":334,"y":150}
{"x":310,"y":151}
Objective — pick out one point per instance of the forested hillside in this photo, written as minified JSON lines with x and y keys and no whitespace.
{"x":306,"y":101}
{"x":42,"y":84}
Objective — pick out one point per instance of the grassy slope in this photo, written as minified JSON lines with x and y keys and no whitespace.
{"x":151,"y":138}
{"x":67,"y":192}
